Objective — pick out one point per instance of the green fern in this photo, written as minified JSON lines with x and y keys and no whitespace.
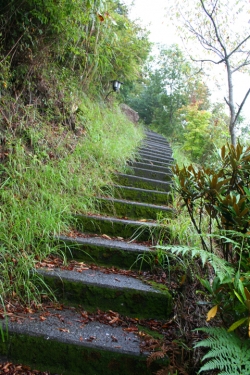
{"x":221,"y":268}
{"x":228,"y":353}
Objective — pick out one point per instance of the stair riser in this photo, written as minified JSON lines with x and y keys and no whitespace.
{"x":146,"y":196}
{"x":116,"y":229}
{"x":155,"y":144}
{"x":126,"y":302}
{"x":152,"y":175}
{"x":133,"y":211}
{"x":67,"y":359}
{"x":108,"y":256}
{"x":154,"y":162}
{"x":154,"y":168}
{"x":155,"y":151}
{"x":144,"y":183}
{"x":154,"y":156}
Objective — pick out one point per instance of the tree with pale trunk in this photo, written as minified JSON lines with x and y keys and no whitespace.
{"x":222,"y":28}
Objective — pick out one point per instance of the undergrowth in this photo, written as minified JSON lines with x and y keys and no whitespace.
{"x":48,"y":172}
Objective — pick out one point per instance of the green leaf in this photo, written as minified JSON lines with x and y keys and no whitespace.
{"x":237,"y":324}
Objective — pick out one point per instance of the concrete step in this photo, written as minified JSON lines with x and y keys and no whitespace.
{"x":151,"y":167}
{"x":152,"y":174}
{"x":112,"y":226}
{"x":94,"y":289}
{"x":105,"y":252}
{"x":143,"y":195}
{"x":155,"y":149}
{"x":131,"y":209}
{"x":156,"y":143}
{"x":143,"y":182}
{"x":148,"y":160}
{"x":63,"y":341}
{"x":155,"y":136}
{"x":154,"y":156}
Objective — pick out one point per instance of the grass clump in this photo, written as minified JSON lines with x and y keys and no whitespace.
{"x":49,"y":172}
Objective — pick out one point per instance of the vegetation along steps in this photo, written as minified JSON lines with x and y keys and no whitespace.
{"x":88,"y":332}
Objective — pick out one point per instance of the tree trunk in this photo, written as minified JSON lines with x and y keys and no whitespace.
{"x":230,"y":103}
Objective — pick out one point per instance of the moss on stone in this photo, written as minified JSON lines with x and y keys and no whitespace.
{"x":105,"y":256}
{"x":133,"y":211}
{"x":68,"y":359}
{"x":142,"y":195}
{"x":113,"y":228}
{"x":143,"y":184}
{"x":139,"y":304}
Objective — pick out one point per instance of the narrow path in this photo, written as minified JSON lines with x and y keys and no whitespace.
{"x":96,"y":330}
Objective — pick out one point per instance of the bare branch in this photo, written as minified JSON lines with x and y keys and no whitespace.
{"x":241,"y":66}
{"x":215,"y":28}
{"x":226,"y":101}
{"x":236,"y":48}
{"x":240,"y":107}
{"x":207,"y":60}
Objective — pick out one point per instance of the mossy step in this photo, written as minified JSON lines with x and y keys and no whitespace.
{"x":106,"y":252}
{"x":94,"y":289}
{"x":59,"y":341}
{"x":153,"y":135}
{"x":133,"y":210}
{"x":142,"y":195}
{"x":154,"y":156}
{"x":153,"y":175}
{"x":156,"y":151}
{"x":151,"y":167}
{"x":143,"y":182}
{"x":141,"y":159}
{"x":116,"y":227}
{"x":156,"y":143}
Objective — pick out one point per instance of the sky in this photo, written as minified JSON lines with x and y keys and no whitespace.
{"x":153,"y":16}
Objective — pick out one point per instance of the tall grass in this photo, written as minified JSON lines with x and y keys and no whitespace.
{"x":51,"y":173}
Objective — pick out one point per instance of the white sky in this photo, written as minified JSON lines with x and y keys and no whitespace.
{"x":153,"y":16}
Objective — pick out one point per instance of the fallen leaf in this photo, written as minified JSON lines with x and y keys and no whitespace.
{"x":114,"y":320}
{"x":212,"y":312}
{"x":130,"y":329}
{"x":106,"y":236}
{"x":63,"y":330}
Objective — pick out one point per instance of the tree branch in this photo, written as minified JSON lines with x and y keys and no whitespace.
{"x":236,"y":48}
{"x":226,"y":101}
{"x":240,"y":107}
{"x":240,"y":66}
{"x":215,"y":28}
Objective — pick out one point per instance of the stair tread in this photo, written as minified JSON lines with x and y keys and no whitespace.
{"x":100,"y":241}
{"x":134,"y":203}
{"x":99,"y":278}
{"x":112,"y":219}
{"x":67,"y":326}
{"x":144,"y":178}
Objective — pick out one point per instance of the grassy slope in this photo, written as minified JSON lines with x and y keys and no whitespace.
{"x":48,"y":173}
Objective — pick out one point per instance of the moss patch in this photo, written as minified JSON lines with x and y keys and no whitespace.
{"x":105,"y":256}
{"x":135,"y":303}
{"x":68,"y":359}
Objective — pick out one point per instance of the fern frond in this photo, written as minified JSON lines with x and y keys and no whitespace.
{"x":163,"y":371}
{"x":222,"y":268}
{"x":228,"y":353}
{"x":156,"y":355}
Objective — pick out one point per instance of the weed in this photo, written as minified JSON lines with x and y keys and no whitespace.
{"x":51,"y":174}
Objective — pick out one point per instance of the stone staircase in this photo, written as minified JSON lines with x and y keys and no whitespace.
{"x":87,"y":332}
